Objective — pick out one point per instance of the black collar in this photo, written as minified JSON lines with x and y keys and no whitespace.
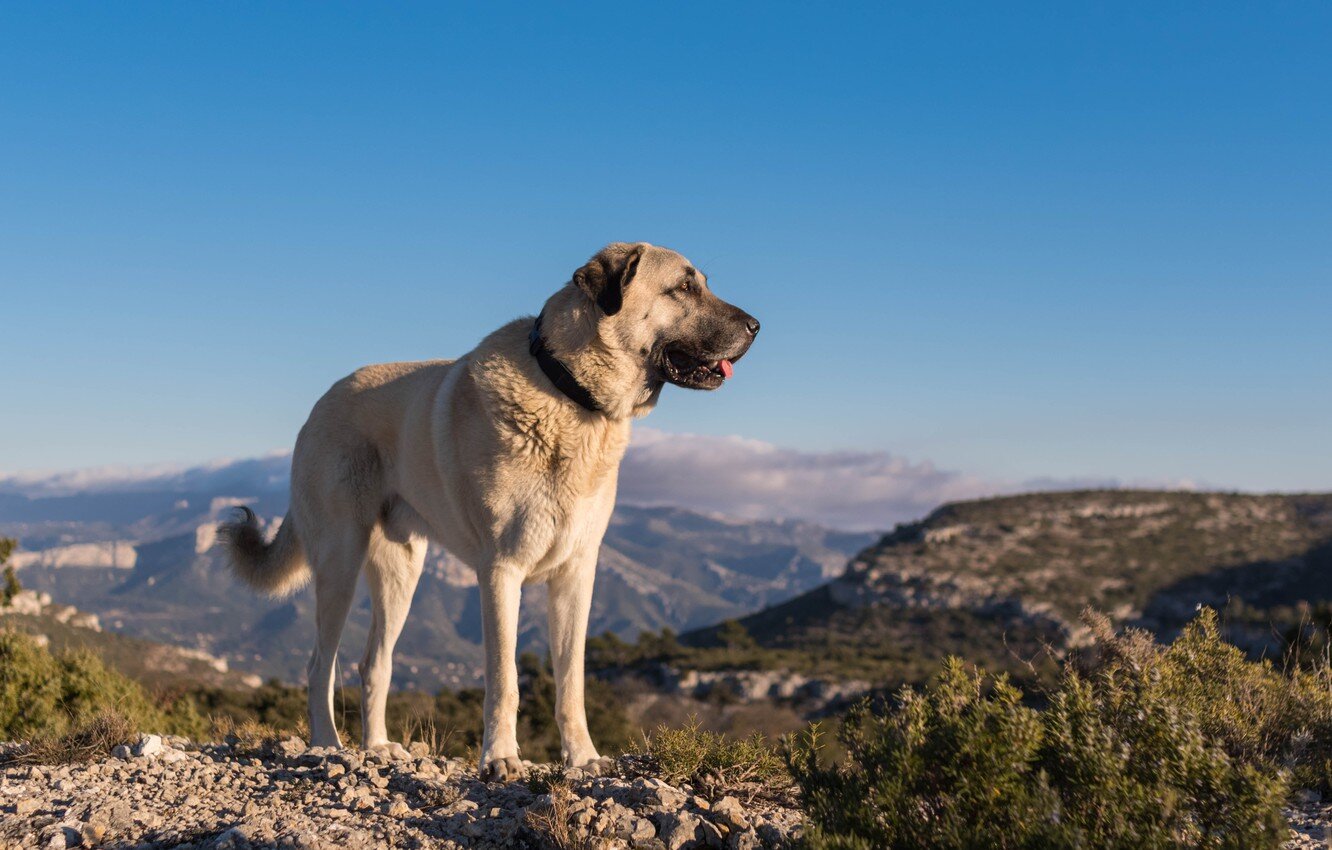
{"x":558,"y":373}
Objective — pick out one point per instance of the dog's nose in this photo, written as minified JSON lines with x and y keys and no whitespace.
{"x":752,"y":325}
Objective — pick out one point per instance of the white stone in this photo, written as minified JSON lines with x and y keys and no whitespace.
{"x":149,"y":745}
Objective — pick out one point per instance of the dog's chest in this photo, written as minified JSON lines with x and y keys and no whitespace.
{"x":569,"y":494}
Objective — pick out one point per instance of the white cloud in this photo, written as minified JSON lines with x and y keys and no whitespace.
{"x":751,"y":479}
{"x":262,"y":474}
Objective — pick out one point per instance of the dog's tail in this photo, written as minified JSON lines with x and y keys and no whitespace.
{"x":276,"y":568}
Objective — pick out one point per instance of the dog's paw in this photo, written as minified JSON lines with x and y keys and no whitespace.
{"x":507,"y":769}
{"x":599,"y":766}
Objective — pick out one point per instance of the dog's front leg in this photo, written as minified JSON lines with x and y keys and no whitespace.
{"x":501,"y":587}
{"x":570,"y":597}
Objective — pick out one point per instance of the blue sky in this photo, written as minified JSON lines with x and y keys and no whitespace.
{"x":1015,"y":240}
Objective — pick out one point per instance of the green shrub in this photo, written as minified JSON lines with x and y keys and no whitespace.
{"x":44,"y":696}
{"x":949,"y":767}
{"x":1259,"y":714}
{"x":692,"y":754}
{"x":9,"y":585}
{"x":1145,"y":751}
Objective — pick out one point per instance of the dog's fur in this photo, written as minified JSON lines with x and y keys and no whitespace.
{"x":487,"y":457}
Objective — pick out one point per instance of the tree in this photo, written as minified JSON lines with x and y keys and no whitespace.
{"x":734,"y":635}
{"x":11,"y":583}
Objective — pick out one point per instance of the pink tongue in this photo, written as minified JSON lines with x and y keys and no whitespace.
{"x":727,"y":369}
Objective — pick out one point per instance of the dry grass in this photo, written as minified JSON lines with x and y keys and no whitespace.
{"x":552,"y":821}
{"x":421,"y":728}
{"x":249,"y":736}
{"x":85,"y":742}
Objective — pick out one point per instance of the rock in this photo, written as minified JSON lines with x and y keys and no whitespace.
{"x":641,"y":830}
{"x":678,"y":829}
{"x":728,"y":810}
{"x":769,"y":835}
{"x":26,"y":806}
{"x":148,"y":745}
{"x":712,"y":835}
{"x":747,"y":840}
{"x":349,"y":760}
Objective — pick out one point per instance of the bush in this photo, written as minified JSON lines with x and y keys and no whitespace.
{"x":9,"y":585}
{"x":1258,"y":714}
{"x":692,"y":754}
{"x":1153,"y":748}
{"x":45,"y":697}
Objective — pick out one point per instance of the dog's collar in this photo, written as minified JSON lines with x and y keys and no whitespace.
{"x":558,"y":373}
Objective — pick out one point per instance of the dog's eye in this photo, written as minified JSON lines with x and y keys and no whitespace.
{"x":685,"y":285}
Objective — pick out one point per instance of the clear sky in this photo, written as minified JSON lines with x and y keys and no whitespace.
{"x":1016,"y":240}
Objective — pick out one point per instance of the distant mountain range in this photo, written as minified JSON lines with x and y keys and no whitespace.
{"x":137,"y":552}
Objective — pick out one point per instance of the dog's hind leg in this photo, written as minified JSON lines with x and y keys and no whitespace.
{"x":335,"y":561}
{"x":392,"y":571}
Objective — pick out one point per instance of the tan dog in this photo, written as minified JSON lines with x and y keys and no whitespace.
{"x":508,"y":458}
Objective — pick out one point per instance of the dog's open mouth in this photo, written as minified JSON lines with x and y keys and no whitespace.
{"x":689,"y":370}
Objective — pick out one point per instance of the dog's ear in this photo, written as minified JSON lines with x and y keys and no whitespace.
{"x":605,"y":276}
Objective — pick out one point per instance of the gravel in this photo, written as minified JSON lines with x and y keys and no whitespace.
{"x":169,"y":792}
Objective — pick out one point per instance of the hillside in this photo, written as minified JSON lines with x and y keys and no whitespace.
{"x":157,"y":665}
{"x":999,"y":580}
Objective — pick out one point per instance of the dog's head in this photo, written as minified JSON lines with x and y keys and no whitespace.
{"x":654,"y":302}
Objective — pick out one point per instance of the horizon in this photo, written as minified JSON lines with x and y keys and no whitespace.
{"x":722,"y":478}
{"x":1009,"y":245}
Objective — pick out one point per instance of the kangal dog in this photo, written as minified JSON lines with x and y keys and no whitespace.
{"x":508,"y":458}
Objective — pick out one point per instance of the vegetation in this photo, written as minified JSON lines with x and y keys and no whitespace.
{"x":1186,"y":745}
{"x":551,"y":819}
{"x":10,"y":587}
{"x":890,"y":647}
{"x":71,"y":705}
{"x":84,"y":741}
{"x":692,"y":754}
{"x":1001,"y":581}
{"x":41,"y":693}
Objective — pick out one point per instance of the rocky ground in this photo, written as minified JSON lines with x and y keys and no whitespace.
{"x":173,"y":793}
{"x":1310,"y":825}
{"x":169,"y":792}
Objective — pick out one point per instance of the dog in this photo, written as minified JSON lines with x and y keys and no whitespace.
{"x":508,"y":458}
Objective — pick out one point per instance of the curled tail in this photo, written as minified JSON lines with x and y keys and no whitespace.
{"x":276,"y":568}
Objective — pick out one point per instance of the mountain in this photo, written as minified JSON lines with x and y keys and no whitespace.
{"x":1005,"y":580}
{"x":139,"y":554}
